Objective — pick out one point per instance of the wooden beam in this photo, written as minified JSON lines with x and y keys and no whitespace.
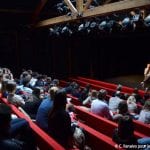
{"x":104,"y":10}
{"x":37,"y":11}
{"x":87,"y":4}
{"x":71,"y":7}
{"x":79,"y":6}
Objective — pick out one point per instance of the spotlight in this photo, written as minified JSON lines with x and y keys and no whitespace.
{"x":128,"y":25}
{"x":66,"y":31}
{"x":102,"y":25}
{"x":81,"y":27}
{"x":93,"y":25}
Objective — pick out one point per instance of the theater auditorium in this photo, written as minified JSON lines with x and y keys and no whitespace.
{"x":74,"y":75}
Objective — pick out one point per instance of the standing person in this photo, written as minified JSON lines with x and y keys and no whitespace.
{"x":145,"y":83}
{"x":59,"y":121}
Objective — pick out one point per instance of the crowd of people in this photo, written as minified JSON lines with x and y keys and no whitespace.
{"x":46,"y":103}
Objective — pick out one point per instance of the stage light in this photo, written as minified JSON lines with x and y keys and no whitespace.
{"x":128,"y":24}
{"x":81,"y":27}
{"x":102,"y":25}
{"x":66,"y":31}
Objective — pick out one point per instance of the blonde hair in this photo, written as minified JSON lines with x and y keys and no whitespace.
{"x":52,"y":91}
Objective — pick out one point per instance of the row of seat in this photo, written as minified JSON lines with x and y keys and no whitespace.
{"x":139,"y":126}
{"x":95,"y":139}
{"x":125,"y":89}
{"x":44,"y":141}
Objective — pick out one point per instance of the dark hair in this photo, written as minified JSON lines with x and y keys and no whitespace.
{"x":125,"y":127}
{"x":60,"y":98}
{"x":10,"y":86}
{"x":36,"y":91}
{"x":123,"y":107}
{"x":102,"y":94}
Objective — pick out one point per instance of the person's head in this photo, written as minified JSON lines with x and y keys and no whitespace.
{"x":131,"y":99}
{"x":123,"y":107}
{"x":118,"y":93}
{"x":53,"y":91}
{"x":119,"y":87}
{"x":5,"y":118}
{"x":136,"y":90}
{"x":147,"y":105}
{"x":125,"y":127}
{"x":60,"y":99}
{"x":93,"y":93}
{"x":11,"y":86}
{"x":102,"y":94}
{"x":126,"y":96}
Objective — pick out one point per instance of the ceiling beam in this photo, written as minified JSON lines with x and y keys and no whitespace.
{"x":104,"y":10}
{"x":87,"y":4}
{"x":79,"y":6}
{"x":71,"y":7}
{"x":37,"y":11}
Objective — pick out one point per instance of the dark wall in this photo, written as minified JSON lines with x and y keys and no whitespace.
{"x":97,"y":56}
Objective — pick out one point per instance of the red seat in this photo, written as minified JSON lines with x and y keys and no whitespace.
{"x":44,"y":141}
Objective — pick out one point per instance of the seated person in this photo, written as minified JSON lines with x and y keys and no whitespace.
{"x":85,"y":92}
{"x":132,"y":106}
{"x":99,"y":107}
{"x":90,"y":98}
{"x":114,"y":102}
{"x":145,"y":113}
{"x":32,"y":105}
{"x":14,"y":134}
{"x":124,"y":134}
{"x":12,"y":97}
{"x":44,"y":108}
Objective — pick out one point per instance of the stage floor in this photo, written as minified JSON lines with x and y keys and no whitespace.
{"x":128,"y":80}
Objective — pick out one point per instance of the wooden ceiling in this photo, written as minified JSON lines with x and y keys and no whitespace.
{"x":42,"y":13}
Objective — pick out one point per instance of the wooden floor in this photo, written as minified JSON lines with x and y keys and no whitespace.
{"x":129,"y":80}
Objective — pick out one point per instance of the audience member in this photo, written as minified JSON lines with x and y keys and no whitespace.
{"x":132,"y":106}
{"x":32,"y":105}
{"x":44,"y":109}
{"x":114,"y":102}
{"x":145,"y":113}
{"x":12,"y":97}
{"x":124,"y":134}
{"x":99,"y":106}
{"x":90,"y":98}
{"x":14,"y":136}
{"x":59,"y":122}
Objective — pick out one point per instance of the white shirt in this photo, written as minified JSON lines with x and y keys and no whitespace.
{"x":15,"y":99}
{"x":113,"y":103}
{"x":100,"y":108}
{"x":144,"y":116}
